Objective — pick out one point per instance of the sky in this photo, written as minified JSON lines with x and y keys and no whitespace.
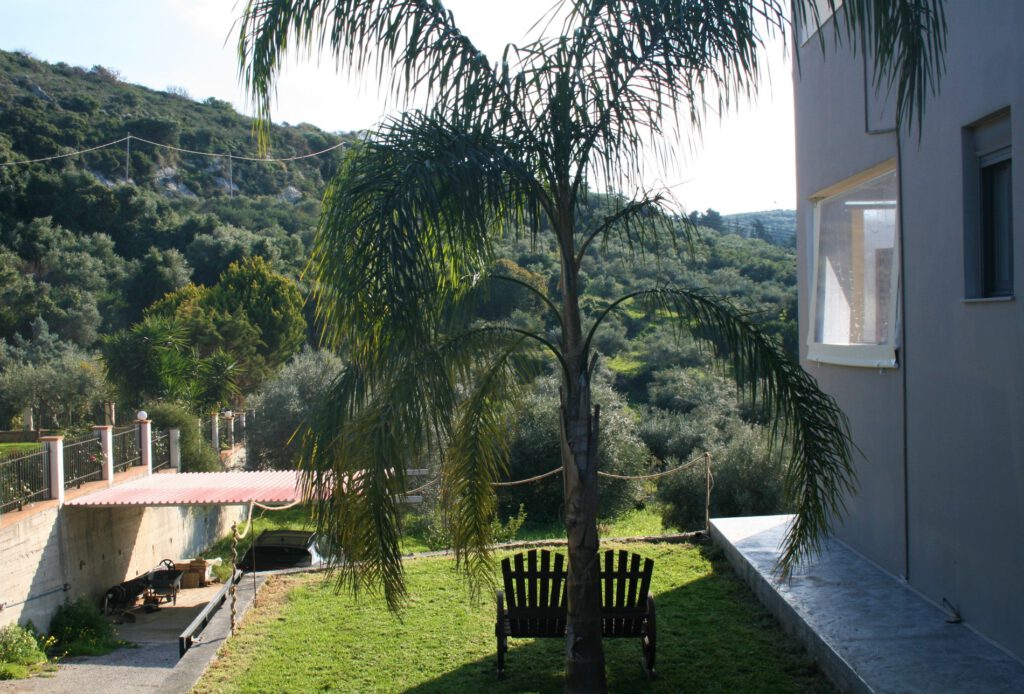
{"x":742,"y":162}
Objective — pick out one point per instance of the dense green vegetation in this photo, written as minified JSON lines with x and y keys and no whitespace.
{"x":21,"y":653}
{"x":143,"y":273}
{"x":84,"y":252}
{"x":712,"y":637}
{"x":78,"y":627}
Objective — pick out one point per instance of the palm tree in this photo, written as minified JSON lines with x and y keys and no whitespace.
{"x":406,"y":236}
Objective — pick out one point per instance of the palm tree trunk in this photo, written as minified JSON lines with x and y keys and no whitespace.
{"x":584,"y":654}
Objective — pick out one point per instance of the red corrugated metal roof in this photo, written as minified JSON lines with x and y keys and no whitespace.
{"x":198,"y":489}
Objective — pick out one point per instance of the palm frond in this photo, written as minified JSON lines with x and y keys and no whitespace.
{"x":476,"y":457}
{"x":379,"y":420}
{"x":805,"y":421}
{"x":354,"y":455}
{"x":408,"y":219}
{"x":641,"y":222}
{"x":410,"y":43}
{"x":635,"y":65}
{"x":907,"y":40}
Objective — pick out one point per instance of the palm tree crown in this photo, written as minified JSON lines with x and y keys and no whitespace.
{"x":407,"y":231}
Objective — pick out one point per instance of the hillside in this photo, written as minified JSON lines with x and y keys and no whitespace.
{"x":85,"y":251}
{"x":89,"y":242}
{"x":52,"y":109}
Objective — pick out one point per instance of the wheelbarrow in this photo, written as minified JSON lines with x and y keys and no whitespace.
{"x":164,"y":584}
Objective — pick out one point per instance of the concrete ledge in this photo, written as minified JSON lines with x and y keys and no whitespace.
{"x":192,"y":665}
{"x":866,"y":629}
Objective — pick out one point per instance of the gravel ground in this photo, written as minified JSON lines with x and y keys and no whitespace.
{"x":125,"y":671}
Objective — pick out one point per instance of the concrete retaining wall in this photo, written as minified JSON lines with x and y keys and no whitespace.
{"x":91,"y":549}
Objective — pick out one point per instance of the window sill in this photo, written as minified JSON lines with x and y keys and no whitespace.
{"x":859,"y":356}
{"x":989,"y":299}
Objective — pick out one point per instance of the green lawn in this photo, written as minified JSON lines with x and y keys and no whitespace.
{"x":634,"y":523}
{"x":303,"y":636}
{"x":646,"y":521}
{"x":11,"y":450}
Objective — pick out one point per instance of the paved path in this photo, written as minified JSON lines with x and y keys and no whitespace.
{"x":869,"y":631}
{"x":153,"y":666}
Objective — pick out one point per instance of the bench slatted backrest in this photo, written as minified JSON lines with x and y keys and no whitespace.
{"x":535,"y":594}
{"x":624,"y":592}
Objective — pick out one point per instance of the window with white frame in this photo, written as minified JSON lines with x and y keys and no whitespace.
{"x":854,"y":295}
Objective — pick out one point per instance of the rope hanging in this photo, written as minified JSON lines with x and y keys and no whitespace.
{"x":705,"y":457}
{"x":702,"y":457}
{"x":235,"y":537}
{"x":535,"y":478}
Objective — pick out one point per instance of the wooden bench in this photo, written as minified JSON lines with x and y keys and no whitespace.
{"x":536,"y":608}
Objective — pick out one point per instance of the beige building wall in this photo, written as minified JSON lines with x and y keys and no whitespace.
{"x":92,"y":549}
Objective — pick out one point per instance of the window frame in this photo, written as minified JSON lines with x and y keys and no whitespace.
{"x":986,"y":143}
{"x":989,"y":257}
{"x":875,"y":356}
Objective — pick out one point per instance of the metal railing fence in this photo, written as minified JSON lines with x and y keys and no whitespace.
{"x":23,"y":479}
{"x":83,"y":461}
{"x":127,"y":451}
{"x":161,"y":446}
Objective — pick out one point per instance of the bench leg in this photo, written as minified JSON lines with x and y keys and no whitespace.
{"x":649,"y":640}
{"x":499,"y":633}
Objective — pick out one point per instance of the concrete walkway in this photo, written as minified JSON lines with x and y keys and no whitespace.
{"x":867,"y":630}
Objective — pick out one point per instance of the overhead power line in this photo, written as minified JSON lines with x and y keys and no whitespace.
{"x":128,"y":138}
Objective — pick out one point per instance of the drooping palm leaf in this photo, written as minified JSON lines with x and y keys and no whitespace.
{"x":411,"y":215}
{"x":907,"y":40}
{"x":805,"y":421}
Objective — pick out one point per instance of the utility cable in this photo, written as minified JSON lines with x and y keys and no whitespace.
{"x":128,"y":138}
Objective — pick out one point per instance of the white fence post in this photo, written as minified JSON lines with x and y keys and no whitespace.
{"x":55,"y":444}
{"x":215,"y":431}
{"x":146,"y":444}
{"x":174,"y":446}
{"x":106,"y":437}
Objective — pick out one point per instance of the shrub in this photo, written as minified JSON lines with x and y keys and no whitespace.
{"x":18,"y":646}
{"x":197,"y":454}
{"x":79,"y":628}
{"x":748,"y":481}
{"x":432,"y":526}
{"x":535,"y":448}
{"x":284,"y":403}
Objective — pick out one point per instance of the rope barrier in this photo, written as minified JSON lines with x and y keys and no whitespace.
{"x":528,"y":479}
{"x":423,"y":486}
{"x":276,"y":508}
{"x":656,"y":475}
{"x":235,"y":537}
{"x":705,"y":457}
